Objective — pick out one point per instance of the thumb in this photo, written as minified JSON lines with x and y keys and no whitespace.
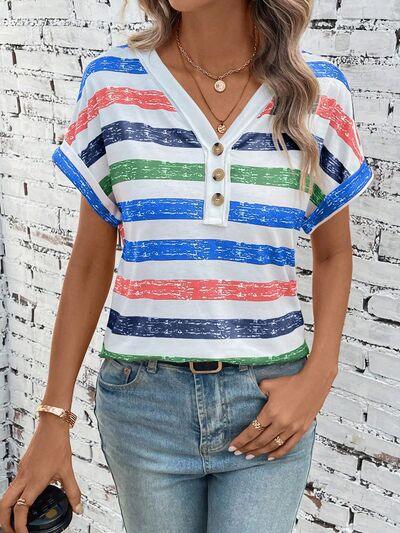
{"x":268,"y":384}
{"x":72,"y":491}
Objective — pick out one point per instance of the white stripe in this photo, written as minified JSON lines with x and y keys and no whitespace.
{"x":213,"y":269}
{"x":204,"y":309}
{"x":267,"y":195}
{"x":194,"y":229}
{"x":130,"y":149}
{"x":207,"y":348}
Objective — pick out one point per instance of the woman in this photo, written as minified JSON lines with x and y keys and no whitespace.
{"x":209,"y":140}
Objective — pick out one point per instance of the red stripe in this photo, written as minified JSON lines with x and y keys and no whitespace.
{"x":267,"y":109}
{"x":344,"y":125}
{"x":154,"y":100}
{"x":193,"y":289}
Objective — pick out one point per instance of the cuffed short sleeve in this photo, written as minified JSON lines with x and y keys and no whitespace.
{"x":82,"y":157}
{"x":343,"y":170}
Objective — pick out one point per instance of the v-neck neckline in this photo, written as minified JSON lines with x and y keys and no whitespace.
{"x":184,"y":102}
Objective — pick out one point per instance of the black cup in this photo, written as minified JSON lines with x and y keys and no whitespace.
{"x":51,"y":512}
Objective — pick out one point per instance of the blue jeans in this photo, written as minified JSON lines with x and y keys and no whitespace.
{"x":165,"y":434}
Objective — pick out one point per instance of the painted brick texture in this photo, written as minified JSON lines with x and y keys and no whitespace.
{"x":354,"y":482}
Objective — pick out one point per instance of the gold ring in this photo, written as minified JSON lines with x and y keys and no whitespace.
{"x":256,"y":424}
{"x":22,"y":501}
{"x":278,"y":440}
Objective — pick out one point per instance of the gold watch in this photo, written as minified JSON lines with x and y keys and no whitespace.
{"x":65,"y":414}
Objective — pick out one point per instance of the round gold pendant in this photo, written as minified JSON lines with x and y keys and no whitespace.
{"x":221,"y":128}
{"x":219,"y":86}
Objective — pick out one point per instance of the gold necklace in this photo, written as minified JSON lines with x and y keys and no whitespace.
{"x":219,"y":85}
{"x":221,"y":128}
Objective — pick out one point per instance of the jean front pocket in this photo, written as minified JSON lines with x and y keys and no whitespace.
{"x":119,"y":375}
{"x":271,"y":371}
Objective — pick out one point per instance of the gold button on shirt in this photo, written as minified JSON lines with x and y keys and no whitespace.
{"x":218,"y":174}
{"x":217,"y":198}
{"x":217,"y":148}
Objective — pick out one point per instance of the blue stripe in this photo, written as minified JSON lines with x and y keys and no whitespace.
{"x":192,"y":328}
{"x":72,"y":173}
{"x":324,"y":69}
{"x":206,"y":250}
{"x":113,"y":64}
{"x":339,"y":196}
{"x":192,"y":209}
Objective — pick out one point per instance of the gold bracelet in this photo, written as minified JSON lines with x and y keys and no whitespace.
{"x":65,"y":414}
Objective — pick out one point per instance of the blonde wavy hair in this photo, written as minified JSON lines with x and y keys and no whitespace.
{"x":279,"y":63}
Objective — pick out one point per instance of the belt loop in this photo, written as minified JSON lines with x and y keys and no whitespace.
{"x":243,"y":367}
{"x":152,"y":365}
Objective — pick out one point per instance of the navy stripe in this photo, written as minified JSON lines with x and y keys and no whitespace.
{"x":180,"y":138}
{"x":259,"y":141}
{"x":339,"y":196}
{"x":192,"y":209}
{"x":324,"y":69}
{"x":113,"y":64}
{"x":137,"y":131}
{"x":332,"y":166}
{"x":94,"y":151}
{"x":207,"y":249}
{"x":71,"y":172}
{"x":192,"y":328}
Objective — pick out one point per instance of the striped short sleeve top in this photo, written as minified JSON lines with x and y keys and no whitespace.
{"x":209,"y":225}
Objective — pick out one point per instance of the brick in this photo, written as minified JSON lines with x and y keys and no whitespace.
{"x":387,"y":421}
{"x":360,"y":9}
{"x":384,"y":364}
{"x":328,"y":512}
{"x":380,"y":476}
{"x":13,"y":34}
{"x":32,"y":9}
{"x":366,"y":523}
{"x":389,"y":245}
{"x":373,"y":43}
{"x":67,"y":65}
{"x":71,"y":37}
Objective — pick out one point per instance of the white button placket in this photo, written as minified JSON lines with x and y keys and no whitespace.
{"x":217,"y":191}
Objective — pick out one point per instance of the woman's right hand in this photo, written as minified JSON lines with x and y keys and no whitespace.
{"x":48,"y":458}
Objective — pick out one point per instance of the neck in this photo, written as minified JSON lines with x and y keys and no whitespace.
{"x":219,"y":34}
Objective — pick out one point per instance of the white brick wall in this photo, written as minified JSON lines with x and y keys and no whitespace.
{"x":355,"y":477}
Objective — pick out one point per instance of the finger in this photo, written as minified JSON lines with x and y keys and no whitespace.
{"x":8,"y":500}
{"x":263,"y":438}
{"x":246,"y":436}
{"x":250,"y":432}
{"x":21,"y":511}
{"x":72,"y":491}
{"x":270,"y":445}
{"x":283,"y":450}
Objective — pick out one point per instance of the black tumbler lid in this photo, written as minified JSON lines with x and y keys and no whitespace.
{"x":51,"y":512}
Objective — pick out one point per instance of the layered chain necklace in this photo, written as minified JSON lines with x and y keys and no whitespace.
{"x":219,"y":85}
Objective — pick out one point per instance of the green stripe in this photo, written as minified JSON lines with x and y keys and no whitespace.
{"x":293,"y":355}
{"x":105,"y":184}
{"x":147,"y":169}
{"x":135,"y":169}
{"x":276,"y":177}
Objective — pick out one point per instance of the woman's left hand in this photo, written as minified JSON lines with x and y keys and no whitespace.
{"x":292,"y":405}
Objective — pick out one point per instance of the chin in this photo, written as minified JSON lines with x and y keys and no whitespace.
{"x":186,"y":6}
